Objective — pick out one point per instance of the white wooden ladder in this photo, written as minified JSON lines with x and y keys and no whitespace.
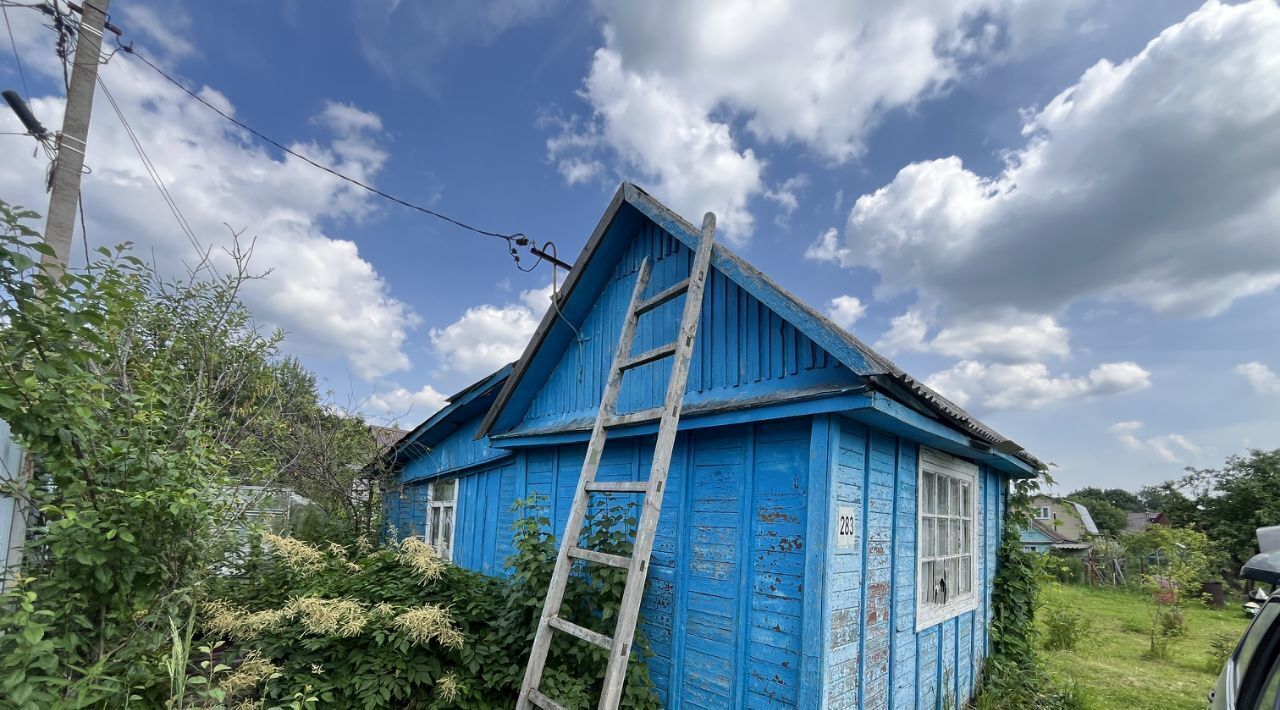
{"x":668,"y":416}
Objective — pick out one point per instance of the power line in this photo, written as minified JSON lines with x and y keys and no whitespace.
{"x":516,"y":237}
{"x":12,"y":43}
{"x":152,"y":172}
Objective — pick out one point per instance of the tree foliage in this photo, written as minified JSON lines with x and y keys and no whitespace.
{"x":1235,"y":500}
{"x":1124,"y":500}
{"x":141,"y":401}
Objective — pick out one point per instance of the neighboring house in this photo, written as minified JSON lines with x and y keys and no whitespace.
{"x":829,"y":530}
{"x":1043,"y":538}
{"x":1139,"y":522}
{"x":1059,"y":524}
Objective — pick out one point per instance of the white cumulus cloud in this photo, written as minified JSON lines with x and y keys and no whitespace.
{"x":327,"y":298}
{"x":674,"y":78}
{"x":487,"y":336}
{"x":1004,"y":335}
{"x":1260,"y":377}
{"x":1156,"y":180}
{"x":991,"y":387}
{"x":395,"y":404}
{"x":845,"y":310}
{"x":1172,"y":448}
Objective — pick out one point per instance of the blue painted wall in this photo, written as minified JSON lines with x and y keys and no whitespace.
{"x":743,"y":349}
{"x":876,"y":658}
{"x":749,"y":603}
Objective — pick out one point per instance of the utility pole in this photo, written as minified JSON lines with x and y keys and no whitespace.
{"x":64,"y":197}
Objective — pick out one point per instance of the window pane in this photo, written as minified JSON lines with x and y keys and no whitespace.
{"x":953,"y":537}
{"x":928,"y":485}
{"x":446,"y":529}
{"x":965,"y":503}
{"x":966,"y":569}
{"x":433,"y":525}
{"x":955,"y":497}
{"x":444,"y":490}
{"x":967,"y":541}
{"x":926,"y":533}
{"x":926,"y":582}
{"x":953,"y":577}
{"x":943,"y":502}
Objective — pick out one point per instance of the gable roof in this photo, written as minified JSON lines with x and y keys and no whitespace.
{"x":629,"y":206}
{"x":460,"y":407}
{"x":1059,"y":540}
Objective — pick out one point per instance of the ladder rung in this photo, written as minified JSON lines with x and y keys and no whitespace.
{"x":537,"y":698}
{"x":604,"y":558}
{"x":618,"y":486}
{"x":644,"y":415}
{"x":583,"y":633}
{"x":668,"y":295}
{"x":647,"y":357}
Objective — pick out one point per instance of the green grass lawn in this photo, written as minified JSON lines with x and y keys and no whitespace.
{"x":1109,"y":663}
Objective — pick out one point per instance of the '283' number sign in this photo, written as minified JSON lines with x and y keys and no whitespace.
{"x":846,"y":526}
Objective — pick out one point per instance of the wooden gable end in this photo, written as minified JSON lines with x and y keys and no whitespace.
{"x":745,"y":352}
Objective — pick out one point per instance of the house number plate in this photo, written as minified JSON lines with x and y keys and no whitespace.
{"x":846,"y":527}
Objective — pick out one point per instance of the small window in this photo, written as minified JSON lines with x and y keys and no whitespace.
{"x":441,"y":497}
{"x":947,"y":539}
{"x":1043,"y":513}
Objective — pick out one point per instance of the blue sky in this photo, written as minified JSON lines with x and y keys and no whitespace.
{"x":1062,"y":214}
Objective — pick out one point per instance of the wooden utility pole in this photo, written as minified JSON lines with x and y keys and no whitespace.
{"x":64,"y":196}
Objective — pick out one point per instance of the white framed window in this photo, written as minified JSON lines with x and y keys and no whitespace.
{"x":441,"y":515}
{"x":947,"y":537}
{"x":1043,"y":513}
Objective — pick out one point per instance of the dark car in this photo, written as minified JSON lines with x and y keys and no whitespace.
{"x":1251,"y":678}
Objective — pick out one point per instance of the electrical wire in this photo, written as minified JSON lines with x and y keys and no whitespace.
{"x":516,"y":237}
{"x":14,"y":44}
{"x":152,"y":172}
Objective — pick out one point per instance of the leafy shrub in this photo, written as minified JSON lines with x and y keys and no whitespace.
{"x":1221,"y":647}
{"x":399,"y":626}
{"x":1064,"y":627}
{"x":1014,"y":677}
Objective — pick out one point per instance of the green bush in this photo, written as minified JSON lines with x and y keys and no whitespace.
{"x":1220,"y":649}
{"x":400,"y":627}
{"x":1064,"y":627}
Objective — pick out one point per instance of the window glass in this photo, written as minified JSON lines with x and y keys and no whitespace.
{"x":441,"y":501}
{"x":444,"y":491}
{"x":1253,"y":637}
{"x":945,"y":548}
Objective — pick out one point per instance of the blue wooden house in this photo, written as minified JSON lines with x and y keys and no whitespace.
{"x":829,"y":529}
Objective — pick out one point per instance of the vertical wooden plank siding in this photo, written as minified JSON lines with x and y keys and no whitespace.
{"x":904,"y":577}
{"x":876,"y":611}
{"x":874,"y":658}
{"x":820,"y":537}
{"x":844,"y":593}
{"x":744,"y":349}
{"x":712,"y":570}
{"x":776,"y":616}
{"x":749,"y":601}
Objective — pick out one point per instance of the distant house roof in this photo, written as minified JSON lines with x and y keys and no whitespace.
{"x":1086,"y":519}
{"x":385,"y":436}
{"x":1058,"y":540}
{"x":1137,"y":522}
